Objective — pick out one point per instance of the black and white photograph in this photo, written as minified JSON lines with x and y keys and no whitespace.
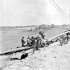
{"x":34,"y":34}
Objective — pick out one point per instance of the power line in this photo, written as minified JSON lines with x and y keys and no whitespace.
{"x":54,"y":6}
{"x":58,"y":8}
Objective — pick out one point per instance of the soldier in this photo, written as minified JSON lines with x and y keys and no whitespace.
{"x":67,"y":37}
{"x":32,"y":40}
{"x":29,"y":41}
{"x":34,"y":46}
{"x":37,"y":44}
{"x":47,"y":43}
{"x":62,"y":40}
{"x":42,"y":34}
{"x":23,"y":42}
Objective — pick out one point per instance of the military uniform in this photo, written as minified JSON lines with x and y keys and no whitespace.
{"x":23,"y":42}
{"x":62,"y":40}
{"x":42,"y":34}
{"x":37,"y":44}
{"x":29,"y":42}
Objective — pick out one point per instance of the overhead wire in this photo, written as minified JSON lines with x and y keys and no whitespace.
{"x":58,"y":8}
{"x":54,"y":6}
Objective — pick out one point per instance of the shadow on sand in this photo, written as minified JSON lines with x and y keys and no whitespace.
{"x":23,"y":56}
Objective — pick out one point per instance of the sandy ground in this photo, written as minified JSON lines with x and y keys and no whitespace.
{"x":54,"y":57}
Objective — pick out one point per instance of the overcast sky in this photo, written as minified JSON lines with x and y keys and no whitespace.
{"x":32,"y":12}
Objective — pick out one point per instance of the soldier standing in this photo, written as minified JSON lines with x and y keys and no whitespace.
{"x":37,"y":43}
{"x":42,"y":34}
{"x":68,"y":36}
{"x":62,"y":40}
{"x":23,"y":42}
{"x":34,"y":46}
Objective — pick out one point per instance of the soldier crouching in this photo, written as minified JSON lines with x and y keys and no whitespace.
{"x":29,"y":42}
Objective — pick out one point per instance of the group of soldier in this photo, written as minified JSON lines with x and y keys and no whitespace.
{"x":37,"y":42}
{"x":64,"y":38}
{"x":34,"y":42}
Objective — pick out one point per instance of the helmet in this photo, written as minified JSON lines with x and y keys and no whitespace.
{"x":23,"y":37}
